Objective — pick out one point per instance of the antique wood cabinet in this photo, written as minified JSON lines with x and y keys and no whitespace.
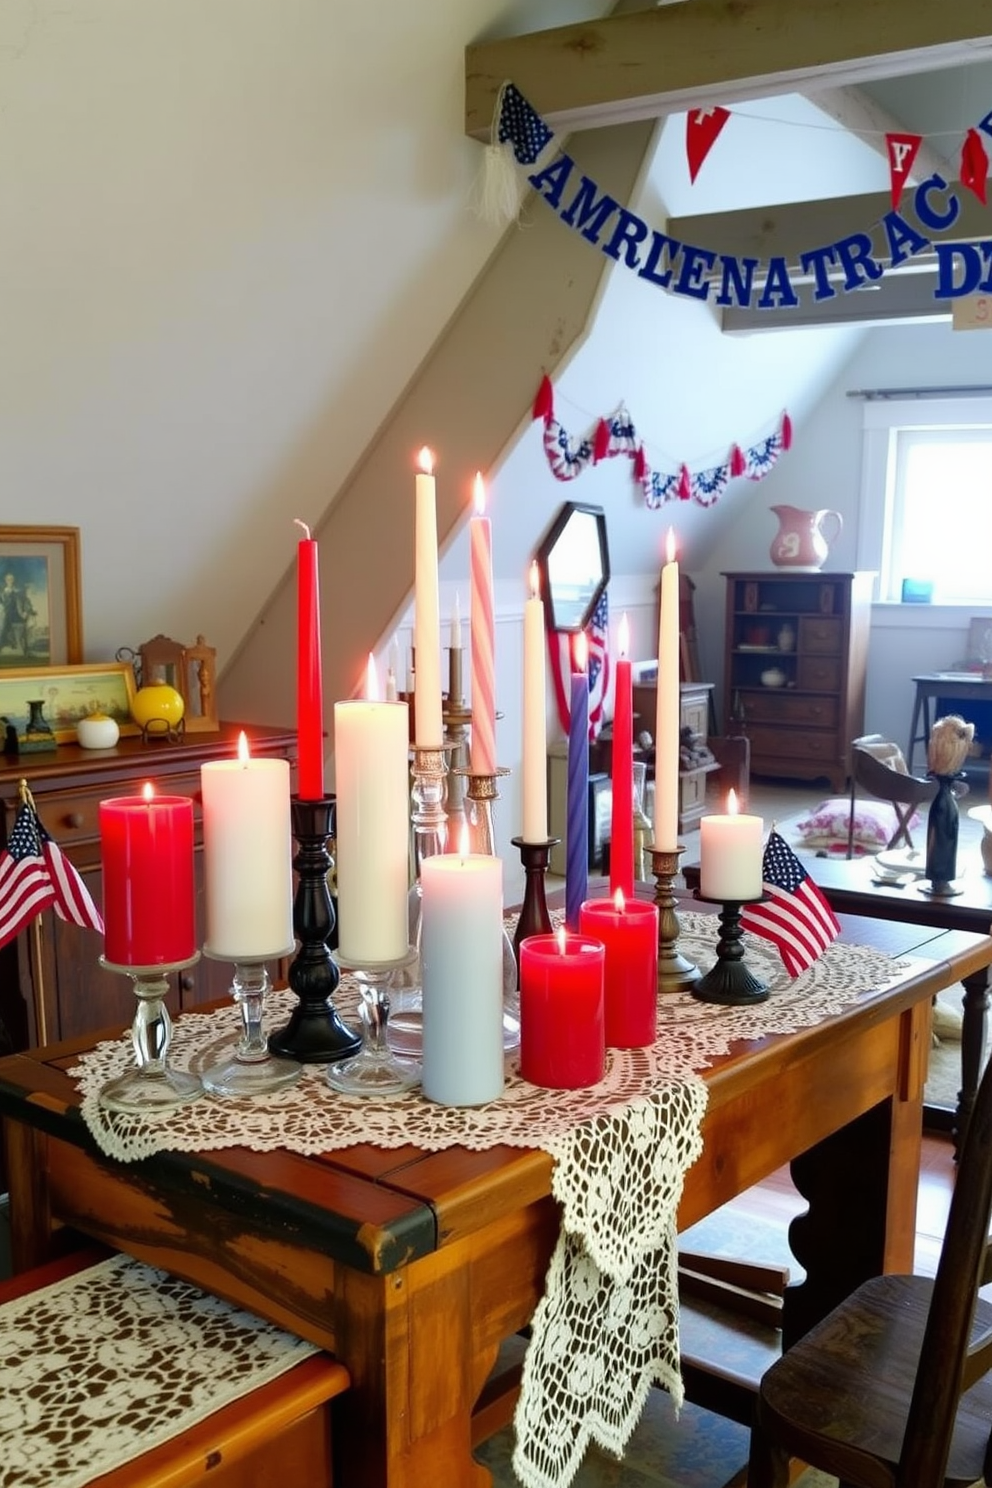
{"x":794,"y":669}
{"x":51,"y":983}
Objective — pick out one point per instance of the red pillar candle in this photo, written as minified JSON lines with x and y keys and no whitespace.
{"x":629,"y":932}
{"x":562,"y":1043}
{"x":622,"y":811}
{"x":146,"y":846}
{"x":309,"y":696}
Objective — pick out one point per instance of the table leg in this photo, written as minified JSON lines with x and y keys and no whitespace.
{"x":31,"y":1227}
{"x":973,"y":1032}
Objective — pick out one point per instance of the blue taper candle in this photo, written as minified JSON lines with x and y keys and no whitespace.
{"x":577,"y":793}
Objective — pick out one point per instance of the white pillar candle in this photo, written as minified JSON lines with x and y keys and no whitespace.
{"x":535,"y":726}
{"x":461,"y":948}
{"x":247,"y":856}
{"x":668,"y":704}
{"x":730,"y":856}
{"x":373,"y":812}
{"x":426,"y":612}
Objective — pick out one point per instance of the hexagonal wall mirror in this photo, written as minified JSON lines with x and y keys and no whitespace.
{"x":574,"y":563}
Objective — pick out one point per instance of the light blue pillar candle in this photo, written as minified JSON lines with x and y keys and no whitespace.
{"x":461,"y":949}
{"x":577,"y":790}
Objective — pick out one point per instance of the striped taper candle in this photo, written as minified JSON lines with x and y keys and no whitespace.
{"x":577,"y":788}
{"x":483,"y":760}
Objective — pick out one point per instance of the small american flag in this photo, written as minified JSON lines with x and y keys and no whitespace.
{"x":795,"y":915}
{"x":521,"y":126}
{"x":560,"y":653}
{"x":35,"y":875}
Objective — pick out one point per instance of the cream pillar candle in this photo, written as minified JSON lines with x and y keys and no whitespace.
{"x":247,"y":856}
{"x":535,"y":725}
{"x":427,"y":614}
{"x":461,"y":948}
{"x":666,"y":734}
{"x":373,"y":812}
{"x":730,"y":855}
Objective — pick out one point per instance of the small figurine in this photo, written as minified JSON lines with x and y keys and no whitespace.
{"x":10,"y":744}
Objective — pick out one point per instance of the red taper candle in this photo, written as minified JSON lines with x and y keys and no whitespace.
{"x":622,"y":811}
{"x":309,"y":694}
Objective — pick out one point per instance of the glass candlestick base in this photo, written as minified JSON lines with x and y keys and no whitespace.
{"x":152,"y":1085}
{"x":246,"y":1067}
{"x":376,"y":1069}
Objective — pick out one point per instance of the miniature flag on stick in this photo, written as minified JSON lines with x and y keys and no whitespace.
{"x":35,"y":875}
{"x":795,"y":914}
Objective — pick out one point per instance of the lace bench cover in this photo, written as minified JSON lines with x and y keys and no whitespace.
{"x":105,"y":1365}
{"x":607,"y":1326}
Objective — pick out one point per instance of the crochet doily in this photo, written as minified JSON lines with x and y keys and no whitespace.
{"x":103,"y":1366}
{"x":607,"y":1326}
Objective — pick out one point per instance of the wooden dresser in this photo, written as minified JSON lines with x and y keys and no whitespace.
{"x":51,"y":984}
{"x":812,"y":630}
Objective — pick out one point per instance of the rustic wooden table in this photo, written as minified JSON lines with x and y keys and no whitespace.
{"x":412,"y":1267}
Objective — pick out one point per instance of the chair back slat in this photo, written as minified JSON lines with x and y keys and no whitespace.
{"x":945,"y":1368}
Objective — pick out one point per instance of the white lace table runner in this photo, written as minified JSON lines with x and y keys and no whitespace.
{"x":607,"y":1326}
{"x":105,"y":1365}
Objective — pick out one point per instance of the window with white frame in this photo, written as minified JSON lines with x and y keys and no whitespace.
{"x":926,"y":500}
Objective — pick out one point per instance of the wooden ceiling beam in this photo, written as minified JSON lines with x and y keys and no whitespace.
{"x":646,"y":63}
{"x":794,"y":227}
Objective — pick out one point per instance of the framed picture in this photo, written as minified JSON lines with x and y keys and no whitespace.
{"x":67,"y":694}
{"x":980,"y":640}
{"x":600,"y":821}
{"x":40,"y":606}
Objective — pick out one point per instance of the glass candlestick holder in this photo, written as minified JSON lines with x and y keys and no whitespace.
{"x":246,"y":1067}
{"x":429,"y":823}
{"x":152,"y":1084}
{"x":730,"y":982}
{"x":481,"y":795}
{"x":376,"y":1069}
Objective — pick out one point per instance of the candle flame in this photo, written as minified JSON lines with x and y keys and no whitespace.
{"x":306,"y":529}
{"x":619,"y":902}
{"x":580,"y":652}
{"x":479,"y":494}
{"x":623,"y":639}
{"x":670,"y":546}
{"x":561,"y":939}
{"x":732,"y":807}
{"x":244,"y":754}
{"x":149,"y":791}
{"x":464,"y":846}
{"x":535,"y":580}
{"x":371,"y":681}
{"x":426,"y":460}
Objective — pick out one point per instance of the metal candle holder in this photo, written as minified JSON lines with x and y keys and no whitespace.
{"x":534,"y":917}
{"x":315,"y":1033}
{"x":676,"y":973}
{"x":482,"y":793}
{"x":151,"y":1084}
{"x":730,"y":982}
{"x":456,"y":717}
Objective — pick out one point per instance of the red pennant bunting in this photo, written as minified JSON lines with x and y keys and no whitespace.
{"x":640,"y":463}
{"x":901,"y":150}
{"x":738,"y":464}
{"x":974,"y":164}
{"x":702,"y":128}
{"x":544,"y":403}
{"x":601,"y":443}
{"x":685,"y":484}
{"x":786,"y":432}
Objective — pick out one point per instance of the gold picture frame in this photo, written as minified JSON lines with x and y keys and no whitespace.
{"x":40,"y":598}
{"x":68,"y":694}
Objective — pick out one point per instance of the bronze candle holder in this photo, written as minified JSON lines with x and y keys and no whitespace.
{"x":315,"y":1033}
{"x":676,"y":973}
{"x":534,"y":917}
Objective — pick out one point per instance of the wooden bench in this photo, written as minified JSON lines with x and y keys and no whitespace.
{"x":279,"y":1432}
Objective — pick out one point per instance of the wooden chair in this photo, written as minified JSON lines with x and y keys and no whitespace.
{"x":878,"y":767}
{"x":891,"y":1390}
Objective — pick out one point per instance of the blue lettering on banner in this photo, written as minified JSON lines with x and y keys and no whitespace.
{"x":586,"y":214}
{"x":649,"y":269}
{"x":899,"y":236}
{"x":629,"y":231}
{"x":555,"y":175}
{"x":736,"y":280}
{"x":778,"y":292}
{"x":928,"y":214}
{"x":695,"y":262}
{"x":855,"y":256}
{"x":970,"y":259}
{"x":818,"y":260}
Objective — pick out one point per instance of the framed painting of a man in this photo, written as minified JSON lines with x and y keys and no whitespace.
{"x":40,"y":603}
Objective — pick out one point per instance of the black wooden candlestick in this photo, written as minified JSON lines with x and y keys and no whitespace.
{"x":730,"y":981}
{"x":314,"y":1033}
{"x":534,"y":917}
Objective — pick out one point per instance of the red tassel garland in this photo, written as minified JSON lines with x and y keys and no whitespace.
{"x":685,"y":484}
{"x":738,"y":464}
{"x":974,"y":164}
{"x":786,"y":432}
{"x":544,"y":403}
{"x":640,"y":463}
{"x":601,"y":443}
